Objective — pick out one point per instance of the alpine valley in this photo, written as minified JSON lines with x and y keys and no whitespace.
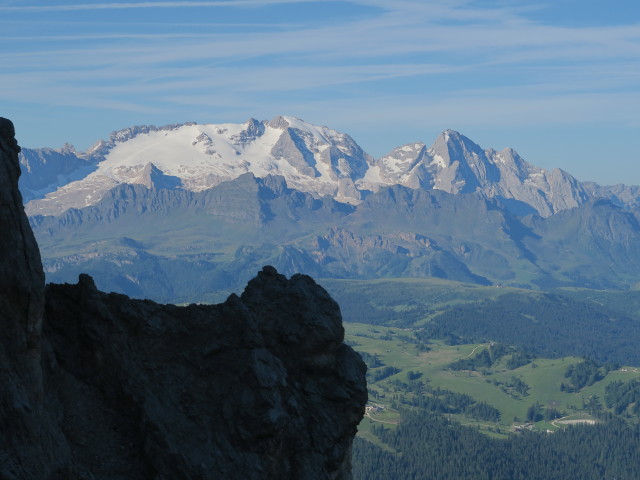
{"x":413,"y":246}
{"x":190,"y":212}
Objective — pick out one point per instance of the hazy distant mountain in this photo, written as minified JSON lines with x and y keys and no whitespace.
{"x":178,"y":245}
{"x":45,"y":170}
{"x":621,"y":195}
{"x":455,"y":164}
{"x":181,"y":212}
{"x":312,"y":159}
{"x":596,"y":245}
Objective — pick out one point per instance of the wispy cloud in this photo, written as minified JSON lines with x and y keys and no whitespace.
{"x":423,"y":62}
{"x":389,"y":45}
{"x":139,"y":5}
{"x":348,"y":42}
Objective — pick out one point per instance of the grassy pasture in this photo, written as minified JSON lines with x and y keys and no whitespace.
{"x":397,"y":347}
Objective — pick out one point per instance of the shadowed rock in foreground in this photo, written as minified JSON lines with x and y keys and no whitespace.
{"x":98,"y":385}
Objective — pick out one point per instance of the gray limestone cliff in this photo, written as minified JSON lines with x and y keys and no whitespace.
{"x":98,"y":385}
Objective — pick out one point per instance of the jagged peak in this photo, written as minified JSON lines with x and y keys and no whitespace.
{"x":67,"y":148}
{"x":97,"y":147}
{"x":150,"y":168}
{"x":284,"y":122}
{"x":408,"y":147}
{"x":279,"y":122}
{"x":451,"y":146}
{"x":313,"y":159}
{"x":252,"y":130}
{"x":152,"y":177}
{"x":275,"y":183}
{"x":448,"y":133}
{"x":130,"y":132}
{"x":454,"y":137}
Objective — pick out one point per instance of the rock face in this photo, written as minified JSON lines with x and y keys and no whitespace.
{"x":45,"y":170}
{"x":21,"y":314}
{"x":312,"y":159}
{"x":194,"y":157}
{"x":98,"y":385}
{"x":457,"y":165}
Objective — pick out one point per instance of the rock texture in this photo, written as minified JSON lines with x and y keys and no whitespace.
{"x":21,"y":314}
{"x":98,"y":386}
{"x":46,"y":169}
{"x":457,"y":165}
{"x":316,"y":160}
{"x":312,"y":159}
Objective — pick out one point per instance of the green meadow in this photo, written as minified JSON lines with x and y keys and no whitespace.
{"x":430,"y":363}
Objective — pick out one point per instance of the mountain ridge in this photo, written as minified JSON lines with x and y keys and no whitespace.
{"x":98,"y":385}
{"x":182,"y":246}
{"x":162,"y":222}
{"x":316,"y":160}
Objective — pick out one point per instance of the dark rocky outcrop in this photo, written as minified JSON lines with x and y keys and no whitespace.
{"x":98,"y":385}
{"x":22,"y":422}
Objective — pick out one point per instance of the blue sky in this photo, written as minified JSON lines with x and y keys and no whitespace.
{"x":558,"y":81}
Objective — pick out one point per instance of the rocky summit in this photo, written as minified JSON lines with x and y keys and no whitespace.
{"x":312,"y":159}
{"x":98,"y":385}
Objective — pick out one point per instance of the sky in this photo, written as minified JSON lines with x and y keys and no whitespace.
{"x":557,"y":80}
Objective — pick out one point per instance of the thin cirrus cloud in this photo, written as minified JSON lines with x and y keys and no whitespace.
{"x":67,"y":84}
{"x":142,"y":5}
{"x":487,"y":63}
{"x":399,"y":28}
{"x":324,"y":44}
{"x":502,"y":41}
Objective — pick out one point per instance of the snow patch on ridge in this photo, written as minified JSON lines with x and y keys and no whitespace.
{"x":311,"y":158}
{"x":202,"y":156}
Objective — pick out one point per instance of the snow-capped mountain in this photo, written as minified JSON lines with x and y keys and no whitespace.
{"x":44,"y":170}
{"x":196,"y":157}
{"x":455,"y":164}
{"x":184,"y":210}
{"x":312,"y":159}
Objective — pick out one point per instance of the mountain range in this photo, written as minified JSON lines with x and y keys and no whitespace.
{"x":312,"y":159}
{"x":180,"y":212}
{"x":101,"y":386}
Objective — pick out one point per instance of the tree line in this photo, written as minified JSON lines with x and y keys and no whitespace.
{"x":432,"y":447}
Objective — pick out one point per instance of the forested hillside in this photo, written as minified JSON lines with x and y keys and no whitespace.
{"x":441,"y":410}
{"x":428,"y":446}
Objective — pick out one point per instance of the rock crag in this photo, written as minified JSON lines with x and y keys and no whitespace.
{"x":98,"y":385}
